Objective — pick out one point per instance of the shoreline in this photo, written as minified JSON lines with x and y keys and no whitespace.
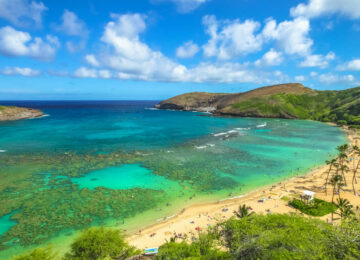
{"x":274,"y":196}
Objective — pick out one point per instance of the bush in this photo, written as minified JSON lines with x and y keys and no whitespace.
{"x":341,"y":122}
{"x":316,"y":208}
{"x":204,"y":248}
{"x":38,"y":254}
{"x":100,"y":243}
{"x":276,"y":236}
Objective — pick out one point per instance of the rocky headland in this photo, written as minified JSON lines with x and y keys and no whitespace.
{"x":10,"y":113}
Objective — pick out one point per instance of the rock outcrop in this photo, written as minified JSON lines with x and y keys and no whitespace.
{"x":9,"y":113}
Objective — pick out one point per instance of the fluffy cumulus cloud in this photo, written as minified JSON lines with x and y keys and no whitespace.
{"x":187,"y":50}
{"x":26,"y":72}
{"x":22,"y":12}
{"x":184,"y":6}
{"x":271,"y":58}
{"x":351,"y":65}
{"x":18,"y":43}
{"x":73,"y":26}
{"x":228,"y":39}
{"x":291,"y":36}
{"x":320,"y":61}
{"x":317,"y":8}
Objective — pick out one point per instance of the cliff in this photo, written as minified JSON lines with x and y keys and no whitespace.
{"x":8,"y":113}
{"x":292,"y":101}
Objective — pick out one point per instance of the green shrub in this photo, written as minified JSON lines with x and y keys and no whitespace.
{"x":276,"y":236}
{"x":341,"y":122}
{"x":38,"y":254}
{"x":100,"y":243}
{"x":205,"y":247}
{"x":316,"y":208}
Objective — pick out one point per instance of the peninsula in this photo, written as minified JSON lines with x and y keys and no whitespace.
{"x":290,"y":101}
{"x":10,"y":113}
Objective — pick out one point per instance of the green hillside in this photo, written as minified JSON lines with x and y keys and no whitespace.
{"x":326,"y":106}
{"x":292,"y":101}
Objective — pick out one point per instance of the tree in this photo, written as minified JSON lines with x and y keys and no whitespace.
{"x":336,"y":182}
{"x":98,"y":243}
{"x":345,"y":208}
{"x":355,"y":169}
{"x":331,"y":163}
{"x":243,"y":211}
{"x":38,"y":254}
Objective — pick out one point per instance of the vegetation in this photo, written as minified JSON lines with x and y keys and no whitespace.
{"x":342,"y":107}
{"x":205,"y":247}
{"x":243,"y":211}
{"x":316,"y":208}
{"x":271,"y":236}
{"x":100,"y":243}
{"x":38,"y":254}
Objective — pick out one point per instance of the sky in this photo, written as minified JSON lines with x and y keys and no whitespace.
{"x":155,"y":49}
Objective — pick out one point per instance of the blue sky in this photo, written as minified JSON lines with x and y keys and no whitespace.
{"x":154,"y":49}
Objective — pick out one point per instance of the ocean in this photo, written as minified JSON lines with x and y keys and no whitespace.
{"x":126,"y":165}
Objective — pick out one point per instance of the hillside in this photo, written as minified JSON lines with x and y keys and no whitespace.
{"x":9,"y":113}
{"x":291,"y":101}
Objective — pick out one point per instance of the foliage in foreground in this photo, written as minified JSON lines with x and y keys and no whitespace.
{"x":38,"y":254}
{"x":272,"y":236}
{"x":316,"y":208}
{"x":100,"y":243}
{"x":206,"y":247}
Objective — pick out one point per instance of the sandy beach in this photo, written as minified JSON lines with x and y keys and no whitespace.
{"x":200,"y":216}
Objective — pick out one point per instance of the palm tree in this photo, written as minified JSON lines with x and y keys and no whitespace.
{"x":355,"y":169}
{"x":243,"y":211}
{"x":342,"y":157}
{"x":336,"y":182}
{"x":331,"y":163}
{"x":345,"y":208}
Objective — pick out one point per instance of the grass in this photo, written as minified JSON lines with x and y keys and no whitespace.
{"x":342,"y":107}
{"x":317,"y":208}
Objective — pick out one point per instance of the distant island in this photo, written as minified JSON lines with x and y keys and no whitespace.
{"x":290,"y":101}
{"x":9,"y":113}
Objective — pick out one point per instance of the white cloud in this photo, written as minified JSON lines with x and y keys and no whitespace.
{"x":228,"y":39}
{"x":300,"y":78}
{"x":124,"y":56}
{"x":271,"y":58}
{"x":91,"y":59}
{"x":291,"y":36}
{"x":317,"y":8}
{"x":73,"y":26}
{"x":318,"y":60}
{"x":85,"y":73}
{"x":26,"y":72}
{"x":22,"y":12}
{"x":18,"y":43}
{"x":184,"y":6}
{"x":187,"y":50}
{"x":330,"y":78}
{"x":351,"y":65}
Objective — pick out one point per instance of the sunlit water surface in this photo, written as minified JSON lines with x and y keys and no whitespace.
{"x":123,"y":164}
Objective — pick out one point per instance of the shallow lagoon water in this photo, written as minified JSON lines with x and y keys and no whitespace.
{"x":114,"y":162}
{"x":125,"y":177}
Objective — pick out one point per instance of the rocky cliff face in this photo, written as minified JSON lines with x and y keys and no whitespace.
{"x":8,"y":113}
{"x":196,"y":101}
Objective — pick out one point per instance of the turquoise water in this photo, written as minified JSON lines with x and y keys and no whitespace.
{"x":124,"y":177}
{"x":109,"y":162}
{"x":6,"y":223}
